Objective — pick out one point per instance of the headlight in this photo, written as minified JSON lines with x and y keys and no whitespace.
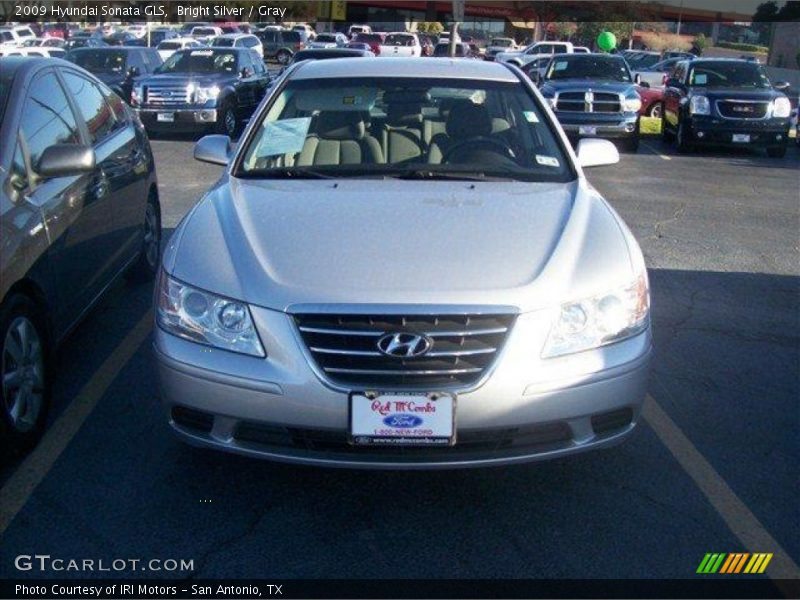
{"x":781,"y":108}
{"x":632,"y":104}
{"x":206,"y":318}
{"x":699,"y":105}
{"x":600,"y":320}
{"x":201,"y":95}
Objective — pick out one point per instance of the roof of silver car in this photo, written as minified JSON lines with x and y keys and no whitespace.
{"x":442,"y":68}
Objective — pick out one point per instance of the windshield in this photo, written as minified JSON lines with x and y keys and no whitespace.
{"x":223,"y":42}
{"x":5,"y":88}
{"x":399,"y":39}
{"x":326,"y":38}
{"x":728,"y":74}
{"x":169,"y":46}
{"x":204,"y":31}
{"x":200,"y":61}
{"x":405,"y":128}
{"x":6,"y":36}
{"x":589,"y":67}
{"x":100,"y":61}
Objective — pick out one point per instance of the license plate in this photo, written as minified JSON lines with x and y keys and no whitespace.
{"x":741,"y":138}
{"x":587,"y":130}
{"x":165,"y":117}
{"x":402,"y":419}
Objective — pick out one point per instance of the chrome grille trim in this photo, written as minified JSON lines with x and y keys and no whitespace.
{"x":165,"y":95}
{"x":343,"y":349}
{"x":766,"y":105}
{"x":574,"y":101}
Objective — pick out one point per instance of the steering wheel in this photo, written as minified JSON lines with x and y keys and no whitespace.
{"x":480,"y":143}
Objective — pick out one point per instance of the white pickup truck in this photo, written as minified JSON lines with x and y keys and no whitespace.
{"x":534,"y":51}
{"x":400,"y":43}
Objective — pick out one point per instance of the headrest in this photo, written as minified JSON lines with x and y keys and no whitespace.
{"x":341,"y":125}
{"x":468,"y":120}
{"x":404,"y":114}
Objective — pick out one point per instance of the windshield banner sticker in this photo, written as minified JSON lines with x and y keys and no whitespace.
{"x":548,"y":161}
{"x":286,"y":136}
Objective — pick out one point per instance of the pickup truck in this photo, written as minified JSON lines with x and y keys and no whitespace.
{"x":197,"y":89}
{"x":594,"y":95}
{"x":498,"y":45}
{"x":400,"y":43}
{"x":534,"y":51}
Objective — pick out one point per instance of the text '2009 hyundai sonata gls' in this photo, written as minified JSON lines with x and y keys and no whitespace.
{"x":403,"y":266}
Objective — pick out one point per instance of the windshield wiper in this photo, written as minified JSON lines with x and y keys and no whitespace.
{"x":450,"y":175}
{"x":285,"y":173}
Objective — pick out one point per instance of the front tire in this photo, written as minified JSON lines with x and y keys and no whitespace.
{"x":227,"y":121}
{"x":776,"y":152}
{"x":655,"y":111}
{"x":146,"y":267}
{"x":681,"y":141}
{"x":25,"y":386}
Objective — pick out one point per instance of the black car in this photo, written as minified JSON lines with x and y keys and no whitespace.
{"x":593,"y":95}
{"x":117,"y":67}
{"x":728,"y":102}
{"x":197,"y":89}
{"x":124,"y":38}
{"x":78,"y":208}
{"x":281,"y":45}
{"x":84,"y":42}
{"x":160,"y":35}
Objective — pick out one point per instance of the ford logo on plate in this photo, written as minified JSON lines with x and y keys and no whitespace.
{"x":402,"y":421}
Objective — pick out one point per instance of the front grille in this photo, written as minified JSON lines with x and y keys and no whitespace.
{"x":612,"y":421}
{"x":345,"y":347}
{"x":165,"y":95}
{"x":541,"y":438}
{"x":602,"y":102}
{"x":741,"y":109}
{"x":193,"y":419}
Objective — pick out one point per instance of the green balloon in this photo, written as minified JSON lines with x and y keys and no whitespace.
{"x":606,"y":41}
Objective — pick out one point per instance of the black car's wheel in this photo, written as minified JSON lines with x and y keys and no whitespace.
{"x":667,"y":135}
{"x":227,"y":121}
{"x":776,"y":152}
{"x":146,"y":267}
{"x":24,"y":376}
{"x":283,"y":57}
{"x":631,"y":144}
{"x":681,"y":141}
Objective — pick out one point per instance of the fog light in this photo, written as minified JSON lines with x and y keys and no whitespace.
{"x":779,"y":137}
{"x":701,"y":134}
{"x":630,"y":127}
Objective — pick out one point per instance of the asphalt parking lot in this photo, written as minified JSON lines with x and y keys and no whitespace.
{"x":713,"y":468}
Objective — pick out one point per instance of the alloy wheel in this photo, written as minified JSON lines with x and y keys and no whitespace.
{"x":23,"y":374}
{"x":152,"y":235}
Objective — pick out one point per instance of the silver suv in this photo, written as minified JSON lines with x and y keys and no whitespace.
{"x":403,"y":266}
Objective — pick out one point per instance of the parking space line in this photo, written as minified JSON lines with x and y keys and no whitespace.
{"x":656,"y":152}
{"x":33,"y":469}
{"x":737,"y":516}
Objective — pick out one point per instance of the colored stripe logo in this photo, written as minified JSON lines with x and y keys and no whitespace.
{"x":733,"y":563}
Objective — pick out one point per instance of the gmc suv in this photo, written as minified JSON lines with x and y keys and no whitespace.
{"x":728,"y":102}
{"x":207,"y":88}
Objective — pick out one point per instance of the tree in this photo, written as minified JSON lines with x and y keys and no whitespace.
{"x":562,"y":30}
{"x":765,"y":14}
{"x":431,"y":27}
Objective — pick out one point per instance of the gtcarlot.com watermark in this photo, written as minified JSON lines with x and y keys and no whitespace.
{"x":45,"y":563}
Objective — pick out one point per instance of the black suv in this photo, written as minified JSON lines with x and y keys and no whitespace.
{"x":117,"y":67}
{"x":728,"y":102}
{"x":281,"y":45}
{"x":202,"y":88}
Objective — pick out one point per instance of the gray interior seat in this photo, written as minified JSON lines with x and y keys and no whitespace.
{"x":340,"y":138}
{"x":402,"y":134}
{"x":465,"y":121}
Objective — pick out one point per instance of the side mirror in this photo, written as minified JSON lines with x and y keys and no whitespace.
{"x":643,"y":84}
{"x":637,"y":79}
{"x":63,"y":160}
{"x":245,"y":72}
{"x":596,"y":153}
{"x":782,"y":86}
{"x":214,"y":149}
{"x":133,"y":72}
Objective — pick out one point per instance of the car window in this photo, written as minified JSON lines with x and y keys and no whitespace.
{"x":200,"y":61}
{"x":100,"y":61}
{"x":588,"y":66}
{"x":260,"y":68}
{"x":729,"y":75}
{"x":47,"y":118}
{"x":494,"y":128}
{"x":100,"y":119}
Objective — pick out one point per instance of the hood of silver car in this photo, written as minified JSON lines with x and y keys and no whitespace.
{"x":280,"y":244}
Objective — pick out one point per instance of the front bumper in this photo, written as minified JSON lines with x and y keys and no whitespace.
{"x":612,"y":126}
{"x":719,"y":132}
{"x":186,"y":119}
{"x":526,"y":409}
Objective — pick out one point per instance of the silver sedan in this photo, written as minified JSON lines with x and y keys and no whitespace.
{"x":403,"y":266}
